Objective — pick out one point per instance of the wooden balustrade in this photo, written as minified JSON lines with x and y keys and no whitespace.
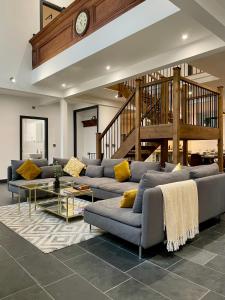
{"x":60,"y":34}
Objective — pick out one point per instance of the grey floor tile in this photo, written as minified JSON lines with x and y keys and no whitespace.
{"x":68,"y":252}
{"x":220,"y":227}
{"x":217,"y":247}
{"x":73,"y":288}
{"x":90,"y":243}
{"x":167,"y":283}
{"x":44,"y":268}
{"x":116,"y":256}
{"x":96,"y":271}
{"x":13,"y":278}
{"x":194,"y":254}
{"x":217,"y":263}
{"x":165,"y":260}
{"x":133,"y":290}
{"x":201,"y":275}
{"x":3,"y":254}
{"x":33,"y":293}
{"x":210,"y":233}
{"x":213,"y":296}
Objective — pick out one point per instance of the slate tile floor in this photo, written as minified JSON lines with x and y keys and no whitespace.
{"x":108,"y":268}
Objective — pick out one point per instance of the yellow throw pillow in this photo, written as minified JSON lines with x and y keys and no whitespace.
{"x":74,"y":167}
{"x":29,"y":170}
{"x":122,"y":171}
{"x":128,"y":199}
{"x":177,"y":168}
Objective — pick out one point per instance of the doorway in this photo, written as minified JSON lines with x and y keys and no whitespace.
{"x":33,"y":137}
{"x":86,"y":124}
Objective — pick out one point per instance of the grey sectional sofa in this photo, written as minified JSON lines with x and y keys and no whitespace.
{"x":146,"y":229}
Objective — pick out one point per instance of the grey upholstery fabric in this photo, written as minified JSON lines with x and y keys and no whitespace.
{"x":110,"y":208}
{"x":91,"y":162}
{"x":139,"y":168}
{"x":17,"y":163}
{"x":102,"y":194}
{"x":108,"y":165}
{"x":152,"y":179}
{"x":49,"y":171}
{"x":124,"y":231}
{"x":60,"y":161}
{"x":9,"y":173}
{"x":118,"y":187}
{"x":204,"y":171}
{"x":93,"y":182}
{"x":94,"y":171}
{"x":169,"y":167}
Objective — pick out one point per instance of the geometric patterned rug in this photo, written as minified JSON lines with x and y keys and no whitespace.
{"x":46,"y":231}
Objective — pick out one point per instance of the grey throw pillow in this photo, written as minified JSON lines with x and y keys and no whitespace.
{"x":153,"y":179}
{"x":17,"y":163}
{"x":204,"y":171}
{"x":91,"y":162}
{"x":108,"y":165}
{"x":139,"y":168}
{"x":169,"y":167}
{"x":94,"y":171}
{"x":49,"y":171}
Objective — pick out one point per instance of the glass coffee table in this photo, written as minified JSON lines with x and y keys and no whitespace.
{"x":65,"y":202}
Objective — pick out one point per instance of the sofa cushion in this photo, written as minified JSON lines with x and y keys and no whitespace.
{"x":118,"y":187}
{"x":91,"y":162}
{"x":17,"y":163}
{"x":152,"y":179}
{"x":169,"y":167}
{"x":49,"y":171}
{"x":110,"y":208}
{"x":94,"y":171}
{"x":122,"y":171}
{"x":60,"y":161}
{"x":74,"y":167}
{"x":93,"y":182}
{"x":108,"y":165}
{"x":204,"y":171}
{"x":139,"y":168}
{"x":127,"y":201}
{"x":29,"y":170}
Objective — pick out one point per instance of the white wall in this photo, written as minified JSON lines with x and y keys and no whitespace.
{"x":11,"y":108}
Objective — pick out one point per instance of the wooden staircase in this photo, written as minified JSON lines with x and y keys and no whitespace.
{"x":160,"y":107}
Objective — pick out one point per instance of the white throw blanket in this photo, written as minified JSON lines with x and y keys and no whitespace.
{"x":180,"y":212}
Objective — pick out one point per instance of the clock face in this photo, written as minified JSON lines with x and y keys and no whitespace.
{"x":82,"y":22}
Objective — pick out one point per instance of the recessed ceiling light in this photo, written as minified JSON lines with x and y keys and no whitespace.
{"x":63,"y":85}
{"x":12,"y":79}
{"x":184,"y":36}
{"x":108,"y":68}
{"x":116,"y":96}
{"x":190,"y":93}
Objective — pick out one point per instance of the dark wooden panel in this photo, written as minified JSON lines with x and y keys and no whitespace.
{"x":59,"y":34}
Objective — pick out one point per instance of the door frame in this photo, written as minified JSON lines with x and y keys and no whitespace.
{"x":21,"y":133}
{"x":75,"y":123}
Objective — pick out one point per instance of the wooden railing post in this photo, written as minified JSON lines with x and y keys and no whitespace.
{"x":138,"y":120}
{"x":176,"y":115}
{"x":220,"y":140}
{"x":98,"y":146}
{"x":185,"y":152}
{"x":164,"y":152}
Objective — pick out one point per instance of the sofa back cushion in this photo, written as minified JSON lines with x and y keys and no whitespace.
{"x":60,"y":161}
{"x":108,"y":165}
{"x":17,"y":163}
{"x":94,"y":171}
{"x":204,"y":171}
{"x":91,"y":162}
{"x":49,"y":171}
{"x":152,"y":179}
{"x":139,"y":168}
{"x":29,"y":170}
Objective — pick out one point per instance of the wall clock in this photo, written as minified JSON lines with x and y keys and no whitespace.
{"x":82,"y":22}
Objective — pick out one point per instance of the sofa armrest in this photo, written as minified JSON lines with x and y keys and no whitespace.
{"x":9,"y":173}
{"x":152,"y":218}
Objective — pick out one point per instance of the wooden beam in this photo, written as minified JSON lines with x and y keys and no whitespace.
{"x":185,"y":152}
{"x":164,"y":152}
{"x":176,"y":115}
{"x":98,"y":146}
{"x":138,"y":120}
{"x":194,"y":132}
{"x":156,"y":132}
{"x":220,"y":139}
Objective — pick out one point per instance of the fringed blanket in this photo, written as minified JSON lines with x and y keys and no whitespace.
{"x":180,"y":212}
